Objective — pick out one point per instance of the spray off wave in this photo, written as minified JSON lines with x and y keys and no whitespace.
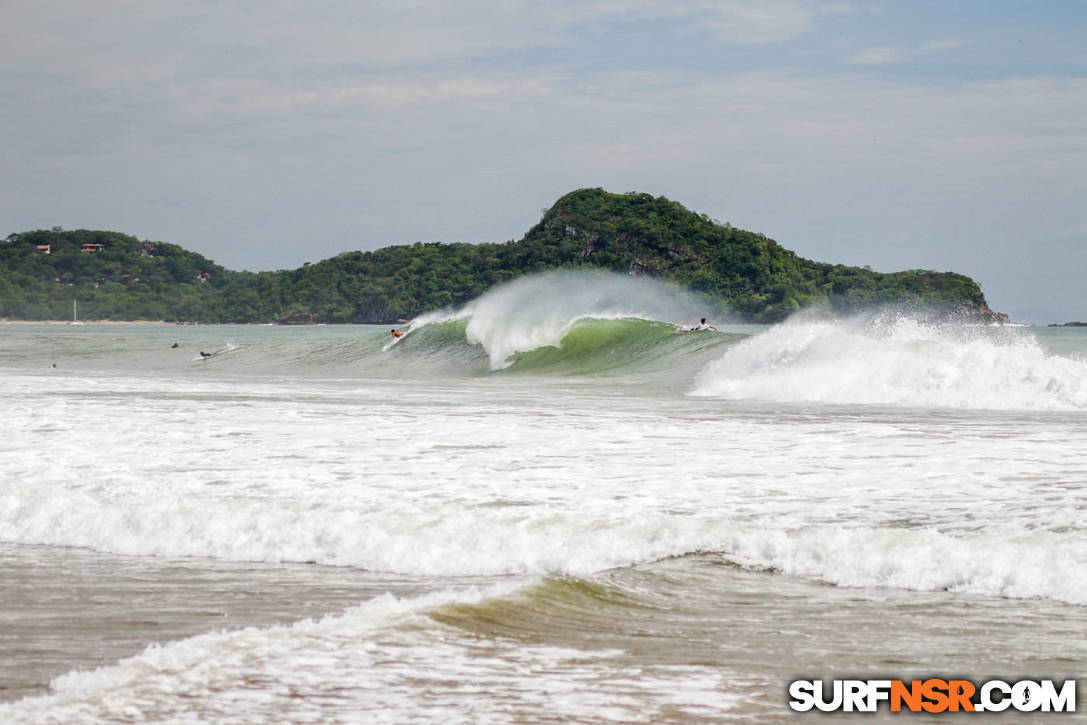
{"x":539,"y":312}
{"x":897,"y":361}
{"x":585,"y":323}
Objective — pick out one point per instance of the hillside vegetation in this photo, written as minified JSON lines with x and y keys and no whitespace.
{"x":118,"y":277}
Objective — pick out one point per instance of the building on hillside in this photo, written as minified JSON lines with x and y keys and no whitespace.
{"x":92,"y":247}
{"x":44,"y":248}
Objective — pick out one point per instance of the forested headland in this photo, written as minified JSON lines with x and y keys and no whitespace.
{"x":118,"y":277}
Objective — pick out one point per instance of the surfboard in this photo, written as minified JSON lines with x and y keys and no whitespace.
{"x":217,"y":353}
{"x":388,"y":345}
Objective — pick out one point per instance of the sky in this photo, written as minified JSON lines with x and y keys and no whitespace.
{"x":894,"y":134}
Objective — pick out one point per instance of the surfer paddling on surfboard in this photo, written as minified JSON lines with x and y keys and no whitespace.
{"x":397,"y":333}
{"x":703,"y":326}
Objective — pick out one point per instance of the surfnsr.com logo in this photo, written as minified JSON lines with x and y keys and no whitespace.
{"x":933,"y":695}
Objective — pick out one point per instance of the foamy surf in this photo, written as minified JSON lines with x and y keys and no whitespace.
{"x":369,"y":665}
{"x":214,"y":677}
{"x":539,"y":311}
{"x":897,"y":361}
{"x":1019,"y":541}
{"x":665,"y":536}
{"x":461,"y":483}
{"x":1034,"y":565}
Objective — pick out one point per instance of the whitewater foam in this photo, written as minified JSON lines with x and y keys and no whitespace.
{"x":1042,"y":564}
{"x":539,"y":310}
{"x":461,"y":483}
{"x":369,"y":665}
{"x":314,"y":445}
{"x":512,"y":476}
{"x":215,"y":676}
{"x":899,"y":362}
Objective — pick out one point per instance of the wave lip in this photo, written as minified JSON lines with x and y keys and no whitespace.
{"x":899,"y":362}
{"x":539,"y":311}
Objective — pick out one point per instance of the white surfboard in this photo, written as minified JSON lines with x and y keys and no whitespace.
{"x":388,"y":345}
{"x":217,"y":353}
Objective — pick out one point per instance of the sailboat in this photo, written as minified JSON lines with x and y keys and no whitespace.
{"x":75,"y":317}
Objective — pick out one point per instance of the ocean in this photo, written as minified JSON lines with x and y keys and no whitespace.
{"x":552,"y":505}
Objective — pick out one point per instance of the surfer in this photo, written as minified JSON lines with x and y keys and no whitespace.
{"x":703,"y":326}
{"x":206,"y":354}
{"x":174,"y":345}
{"x":397,"y":333}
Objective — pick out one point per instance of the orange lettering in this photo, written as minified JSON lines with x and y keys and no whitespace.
{"x":934,"y":691}
{"x":959,"y":694}
{"x":910,"y":695}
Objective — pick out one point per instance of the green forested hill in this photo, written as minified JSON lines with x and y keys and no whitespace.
{"x":125,"y":278}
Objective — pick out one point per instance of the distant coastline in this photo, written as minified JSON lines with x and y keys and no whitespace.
{"x":62,"y":323}
{"x":44,"y":273}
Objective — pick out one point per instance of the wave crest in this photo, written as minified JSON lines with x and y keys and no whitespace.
{"x":540,"y":311}
{"x":897,"y":361}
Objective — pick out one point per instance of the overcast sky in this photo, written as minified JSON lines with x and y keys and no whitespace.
{"x":264,"y":134}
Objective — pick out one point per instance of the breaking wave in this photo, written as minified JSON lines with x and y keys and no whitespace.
{"x":898,"y":361}
{"x":572,"y":322}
